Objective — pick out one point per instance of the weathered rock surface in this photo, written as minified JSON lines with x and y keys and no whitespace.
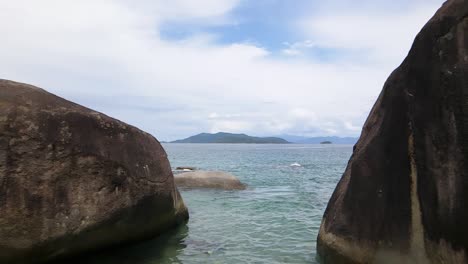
{"x":73,"y":180}
{"x":404,"y":195}
{"x":208,"y":179}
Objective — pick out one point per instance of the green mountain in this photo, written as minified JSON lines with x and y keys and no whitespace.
{"x":222,"y":137}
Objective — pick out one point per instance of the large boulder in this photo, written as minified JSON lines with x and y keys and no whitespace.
{"x":208,"y":179}
{"x":404,"y":195}
{"x":74,"y":180}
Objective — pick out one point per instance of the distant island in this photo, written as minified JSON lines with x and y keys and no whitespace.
{"x":223,"y":137}
{"x":319,"y":140}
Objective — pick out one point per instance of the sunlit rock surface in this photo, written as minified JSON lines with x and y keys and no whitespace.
{"x":208,"y":179}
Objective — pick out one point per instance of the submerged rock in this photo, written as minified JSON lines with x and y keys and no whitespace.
{"x":404,"y":195}
{"x":208,"y":179}
{"x":74,"y":180}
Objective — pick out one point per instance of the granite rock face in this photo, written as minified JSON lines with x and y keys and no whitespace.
{"x":208,"y":179}
{"x":404,"y":195}
{"x":73,"y":180}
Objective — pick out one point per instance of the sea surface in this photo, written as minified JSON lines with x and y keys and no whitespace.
{"x":276,"y":220}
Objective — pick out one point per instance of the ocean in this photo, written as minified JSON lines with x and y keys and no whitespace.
{"x":275,"y":220}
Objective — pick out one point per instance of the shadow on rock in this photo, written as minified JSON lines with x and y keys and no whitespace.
{"x":163,"y":249}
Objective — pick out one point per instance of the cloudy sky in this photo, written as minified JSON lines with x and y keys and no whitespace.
{"x":175,"y":68}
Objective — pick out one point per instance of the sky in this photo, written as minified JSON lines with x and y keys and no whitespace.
{"x":175,"y":68}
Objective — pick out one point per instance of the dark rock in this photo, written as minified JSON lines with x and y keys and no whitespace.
{"x":403,"y":197}
{"x":74,"y":180}
{"x":208,"y":179}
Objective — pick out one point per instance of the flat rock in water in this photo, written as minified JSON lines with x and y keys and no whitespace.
{"x":74,"y":180}
{"x":404,"y":195}
{"x":208,"y":179}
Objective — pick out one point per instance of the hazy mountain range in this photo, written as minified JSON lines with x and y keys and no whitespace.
{"x":318,"y":140}
{"x":223,"y":137}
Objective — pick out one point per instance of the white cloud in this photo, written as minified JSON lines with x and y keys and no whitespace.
{"x":232,"y":126}
{"x":352,"y":127}
{"x":112,"y":51}
{"x":383,"y":36}
{"x":187,"y":9}
{"x":291,"y":52}
{"x":213,"y":116}
{"x":294,"y":49}
{"x":302,"y":113}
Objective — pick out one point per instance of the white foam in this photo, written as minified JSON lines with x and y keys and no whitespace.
{"x":295,"y":164}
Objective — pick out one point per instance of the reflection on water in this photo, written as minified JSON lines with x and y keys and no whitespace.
{"x":163,"y":249}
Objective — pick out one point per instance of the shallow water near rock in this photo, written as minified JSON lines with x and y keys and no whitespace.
{"x":276,"y":220}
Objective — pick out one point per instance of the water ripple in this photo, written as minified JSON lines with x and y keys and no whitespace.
{"x":276,"y":220}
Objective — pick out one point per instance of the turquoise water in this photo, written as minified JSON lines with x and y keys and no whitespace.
{"x":276,"y":220}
